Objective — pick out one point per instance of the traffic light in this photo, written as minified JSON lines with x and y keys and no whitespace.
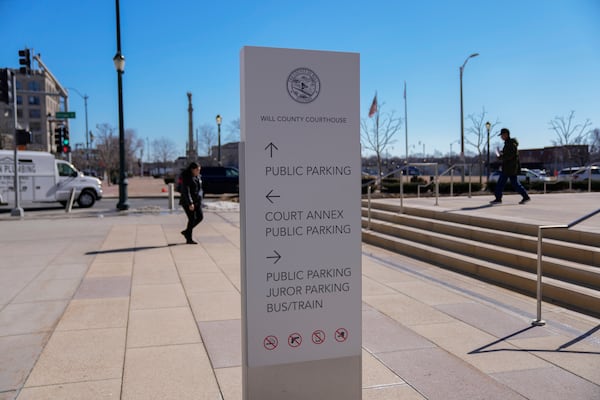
{"x":66,"y":142}
{"x":58,"y":139}
{"x":23,"y":137}
{"x":6,"y":91}
{"x":25,"y":61}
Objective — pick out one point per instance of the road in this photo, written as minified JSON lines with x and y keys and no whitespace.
{"x":108,"y":206}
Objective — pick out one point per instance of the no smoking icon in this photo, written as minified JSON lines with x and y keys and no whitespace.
{"x":270,"y":342}
{"x":318,"y":336}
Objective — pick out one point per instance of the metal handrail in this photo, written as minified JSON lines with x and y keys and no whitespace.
{"x":451,"y":170}
{"x":436,"y":181}
{"x":539,"y":321}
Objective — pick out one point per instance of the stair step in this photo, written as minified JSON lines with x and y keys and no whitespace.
{"x":576,"y":273}
{"x":579,"y":253}
{"x":576,"y":237}
{"x":566,"y":294}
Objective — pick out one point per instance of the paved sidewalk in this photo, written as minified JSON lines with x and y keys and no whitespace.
{"x":117,"y":307}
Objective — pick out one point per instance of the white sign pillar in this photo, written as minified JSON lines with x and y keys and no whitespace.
{"x":300,"y":224}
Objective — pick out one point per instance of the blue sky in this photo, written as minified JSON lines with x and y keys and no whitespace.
{"x":538,"y":59}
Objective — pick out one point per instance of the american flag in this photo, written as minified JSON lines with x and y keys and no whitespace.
{"x":373,"y":108}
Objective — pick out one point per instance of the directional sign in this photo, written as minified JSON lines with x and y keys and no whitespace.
{"x":65,"y":114}
{"x":300,"y":205}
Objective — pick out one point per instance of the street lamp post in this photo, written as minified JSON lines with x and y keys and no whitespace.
{"x":119,"y":61}
{"x":87,"y":137}
{"x":488,"y":126}
{"x":462,"y":122}
{"x":219,"y":119}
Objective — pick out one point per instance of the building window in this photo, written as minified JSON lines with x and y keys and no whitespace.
{"x":35,"y":113}
{"x":34,"y":86}
{"x":35,"y":126}
{"x":19,"y":100}
{"x":19,"y":112}
{"x":34,"y":100}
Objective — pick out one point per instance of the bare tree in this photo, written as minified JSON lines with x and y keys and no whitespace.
{"x":234,"y":131}
{"x":208,"y":137}
{"x":478,"y":136}
{"x":107,"y":147}
{"x":133,"y":144}
{"x":164,"y":150}
{"x":568,"y":131}
{"x":378,"y":133}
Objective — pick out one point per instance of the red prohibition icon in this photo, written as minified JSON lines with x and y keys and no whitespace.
{"x":318,"y":337}
{"x":270,"y":342}
{"x":341,"y":335}
{"x":295,"y":340}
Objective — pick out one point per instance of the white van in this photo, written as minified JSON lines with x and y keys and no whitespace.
{"x":44,"y":179}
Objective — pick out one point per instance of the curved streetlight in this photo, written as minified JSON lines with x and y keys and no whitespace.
{"x":462,"y":122}
{"x":119,"y":61}
{"x":85,"y":98}
{"x":219,"y":120}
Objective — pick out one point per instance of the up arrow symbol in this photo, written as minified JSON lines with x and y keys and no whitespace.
{"x":270,"y":147}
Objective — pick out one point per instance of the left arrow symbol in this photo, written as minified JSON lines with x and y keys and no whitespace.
{"x":269,"y":195}
{"x":277,"y":256}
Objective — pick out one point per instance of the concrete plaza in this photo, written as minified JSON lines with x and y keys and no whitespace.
{"x":115,"y":306}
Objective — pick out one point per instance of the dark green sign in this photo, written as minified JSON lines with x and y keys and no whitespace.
{"x":65,"y":114}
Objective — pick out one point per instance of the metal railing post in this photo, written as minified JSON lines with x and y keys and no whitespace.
{"x":401,"y":193}
{"x":437,"y":185}
{"x":470,"y":178}
{"x":539,"y":321}
{"x":452,"y":181}
{"x":369,"y":207}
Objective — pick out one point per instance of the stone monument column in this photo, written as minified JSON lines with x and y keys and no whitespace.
{"x":191,"y":149}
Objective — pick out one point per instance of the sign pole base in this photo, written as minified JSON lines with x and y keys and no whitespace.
{"x":322,"y":379}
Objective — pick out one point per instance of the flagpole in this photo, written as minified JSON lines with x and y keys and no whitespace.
{"x":405,"y":124}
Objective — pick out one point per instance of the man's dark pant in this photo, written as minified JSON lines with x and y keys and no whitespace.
{"x":514,"y":181}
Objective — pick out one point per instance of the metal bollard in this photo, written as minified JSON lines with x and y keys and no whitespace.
{"x":171,"y":197}
{"x":71,"y":200}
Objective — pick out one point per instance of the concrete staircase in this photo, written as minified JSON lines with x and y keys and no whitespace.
{"x":500,"y":252}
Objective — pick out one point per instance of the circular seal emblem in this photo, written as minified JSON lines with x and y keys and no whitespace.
{"x":303,"y":85}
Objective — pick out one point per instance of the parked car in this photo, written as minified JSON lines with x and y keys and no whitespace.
{"x":215,"y":180}
{"x":583,"y":174}
{"x":526,"y":175}
{"x":410,"y":170}
{"x":565,"y":174}
{"x":220,"y":180}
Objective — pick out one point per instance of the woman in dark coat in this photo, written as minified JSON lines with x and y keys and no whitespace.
{"x":191,"y":199}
